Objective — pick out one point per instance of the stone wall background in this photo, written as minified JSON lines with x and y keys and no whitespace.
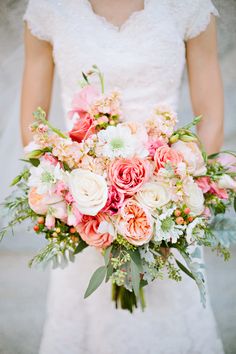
{"x":23,"y":291}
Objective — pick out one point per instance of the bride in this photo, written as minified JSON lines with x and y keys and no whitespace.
{"x":141,"y":46}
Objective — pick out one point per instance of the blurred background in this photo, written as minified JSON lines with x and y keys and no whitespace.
{"x":23,"y":291}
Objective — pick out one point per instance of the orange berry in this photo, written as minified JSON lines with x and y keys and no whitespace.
{"x":190,"y":218}
{"x":177,"y":212}
{"x":179,"y":220}
{"x":36,"y":228}
{"x":72,"y":230}
{"x":40,"y":220}
{"x":74,"y":238}
{"x":186,"y":211}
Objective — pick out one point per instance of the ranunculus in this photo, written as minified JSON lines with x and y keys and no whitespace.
{"x":192,"y":156}
{"x":83,"y":128}
{"x":128,"y":175}
{"x":227,"y":182}
{"x":135,"y":223}
{"x":194,"y":198}
{"x":153,"y":195}
{"x":204,"y":183}
{"x":166,"y":155}
{"x":84,"y":99}
{"x":89,"y":230}
{"x":89,"y":191}
{"x":40,"y":203}
{"x":114,"y":202}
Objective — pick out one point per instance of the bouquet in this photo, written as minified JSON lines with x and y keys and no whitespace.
{"x":133,"y":191}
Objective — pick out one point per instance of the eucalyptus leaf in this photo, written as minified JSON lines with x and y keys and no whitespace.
{"x":96,"y":280}
{"x":136,"y":258}
{"x":109,"y":272}
{"x":107,"y":254}
{"x":135,"y":278}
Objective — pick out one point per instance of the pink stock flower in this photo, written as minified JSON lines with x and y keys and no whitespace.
{"x":152,"y":145}
{"x":128,"y":175}
{"x":88,"y":229}
{"x":84,"y":99}
{"x":165,"y":155}
{"x":207,"y":185}
{"x":61,"y":188}
{"x":83,"y":128}
{"x":74,"y":215}
{"x":220,"y":192}
{"x":69,"y":198}
{"x":114,"y":202}
{"x":228,"y":161}
{"x":204,"y":183}
{"x":50,"y":158}
{"x":135,"y":223}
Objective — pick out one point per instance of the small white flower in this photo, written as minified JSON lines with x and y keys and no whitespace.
{"x":195,"y":229}
{"x":146,"y":254}
{"x":45,"y":176}
{"x":117,"y":142}
{"x":167,"y":230}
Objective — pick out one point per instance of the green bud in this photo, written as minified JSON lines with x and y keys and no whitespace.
{"x":188,"y":138}
{"x":174,"y":138}
{"x":34,"y":154}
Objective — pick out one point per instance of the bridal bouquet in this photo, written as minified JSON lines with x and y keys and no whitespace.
{"x":144,"y":195}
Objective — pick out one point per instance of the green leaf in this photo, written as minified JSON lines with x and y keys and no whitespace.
{"x":107,"y":254}
{"x":81,"y":246}
{"x":184,"y":269}
{"x":235,"y":204}
{"x":16,"y":180}
{"x":135,"y":278}
{"x":135,"y":256}
{"x":96,"y":280}
{"x":109,"y":272}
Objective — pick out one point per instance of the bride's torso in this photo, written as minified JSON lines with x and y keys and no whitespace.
{"x":144,"y":58}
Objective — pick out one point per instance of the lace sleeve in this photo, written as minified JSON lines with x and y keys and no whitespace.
{"x":39,"y":18}
{"x":200,"y":16}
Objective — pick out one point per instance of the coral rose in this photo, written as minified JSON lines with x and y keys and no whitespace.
{"x":128,"y":175}
{"x":83,"y":128}
{"x":135,"y":223}
{"x":89,"y":231}
{"x":165,"y":155}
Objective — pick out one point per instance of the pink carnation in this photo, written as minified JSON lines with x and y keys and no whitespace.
{"x":50,"y":158}
{"x":204,"y":183}
{"x":88,"y":230}
{"x":128,"y":175}
{"x":114,"y":202}
{"x":152,"y":145}
{"x":220,"y":192}
{"x":84,"y":99}
{"x":207,"y":185}
{"x":164,"y":155}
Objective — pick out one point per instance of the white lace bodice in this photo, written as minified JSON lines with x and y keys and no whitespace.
{"x":144,"y":59}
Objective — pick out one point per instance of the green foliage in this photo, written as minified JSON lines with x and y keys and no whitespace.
{"x":96,"y":280}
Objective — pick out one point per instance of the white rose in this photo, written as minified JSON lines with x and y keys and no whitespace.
{"x":192,"y":156}
{"x":194,"y":198}
{"x":227,"y":182}
{"x":89,"y":191}
{"x":153,"y":195}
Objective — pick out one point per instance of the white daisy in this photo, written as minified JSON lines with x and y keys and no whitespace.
{"x":117,"y":142}
{"x":45,"y":176}
{"x":167,"y":230}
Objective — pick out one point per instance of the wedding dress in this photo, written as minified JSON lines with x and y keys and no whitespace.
{"x":144,"y":59}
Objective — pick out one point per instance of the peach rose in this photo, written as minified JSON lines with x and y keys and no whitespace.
{"x":89,"y":231}
{"x":135,"y":223}
{"x":128,"y":175}
{"x":164,"y":155}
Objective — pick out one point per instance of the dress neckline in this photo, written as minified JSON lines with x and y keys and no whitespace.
{"x":106,"y":23}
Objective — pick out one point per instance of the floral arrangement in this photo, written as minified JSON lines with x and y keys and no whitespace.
{"x":145,"y":196}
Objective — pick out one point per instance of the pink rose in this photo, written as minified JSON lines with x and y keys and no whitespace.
{"x":114,"y":202}
{"x":164,"y":155}
{"x":152,"y":145}
{"x":84,"y":99}
{"x":204,"y":183}
{"x":88,"y":229}
{"x":83,"y":128}
{"x":135,"y":223}
{"x":128,"y":175}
